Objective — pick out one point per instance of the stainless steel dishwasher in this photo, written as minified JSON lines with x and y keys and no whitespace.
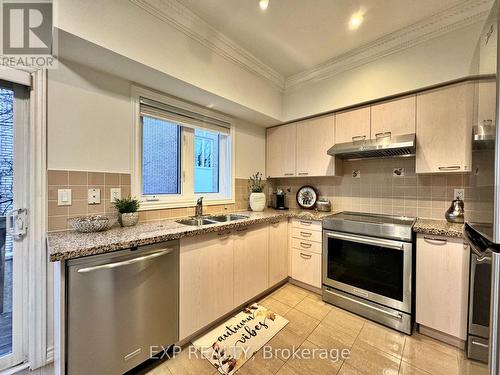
{"x":120,"y":306}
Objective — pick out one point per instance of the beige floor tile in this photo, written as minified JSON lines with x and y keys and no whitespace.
{"x":296,"y":289}
{"x":348,"y":370}
{"x":259,"y":365}
{"x":275,"y":305}
{"x":315,"y":296}
{"x":288,"y":370}
{"x":328,"y":337}
{"x":382,"y":338}
{"x":468,"y":367}
{"x":407,"y":369}
{"x":289,"y":295}
{"x":161,"y":369}
{"x":184,"y":365}
{"x":314,"y":308}
{"x":344,"y":321}
{"x":311,"y":361}
{"x":285,"y":343}
{"x":431,"y":355}
{"x":301,"y":324}
{"x":369,"y":360}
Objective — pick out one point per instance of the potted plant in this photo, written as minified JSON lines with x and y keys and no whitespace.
{"x":257,"y":197}
{"x":127,"y":211}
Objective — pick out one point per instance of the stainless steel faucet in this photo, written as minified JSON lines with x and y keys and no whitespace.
{"x":199,"y":208}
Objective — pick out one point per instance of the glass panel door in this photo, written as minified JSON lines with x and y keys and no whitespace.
{"x":14,"y":112}
{"x":372,"y":268}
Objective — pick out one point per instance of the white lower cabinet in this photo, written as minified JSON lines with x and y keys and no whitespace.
{"x":442,"y":274}
{"x":220,"y":271}
{"x":206,"y":280}
{"x":306,"y":267}
{"x":251,"y":262}
{"x":305,"y":240}
{"x":278,"y":252}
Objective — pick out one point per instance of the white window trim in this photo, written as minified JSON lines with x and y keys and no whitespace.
{"x":187,"y":198}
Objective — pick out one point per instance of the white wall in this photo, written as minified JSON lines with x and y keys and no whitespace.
{"x":439,"y":60}
{"x":129,"y":30}
{"x":90,"y":124}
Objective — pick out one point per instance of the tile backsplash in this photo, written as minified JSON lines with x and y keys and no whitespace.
{"x":80,"y":181}
{"x":376,"y":188}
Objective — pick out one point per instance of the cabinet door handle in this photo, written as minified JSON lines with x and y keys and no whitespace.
{"x":306,"y":223}
{"x":306,"y":234}
{"x":241,"y":230}
{"x":303,"y":173}
{"x":358,"y":138}
{"x":383,"y":135}
{"x":306,"y":245}
{"x":224,"y":233}
{"x":450,"y":168}
{"x":434,"y":239}
{"x":288,"y":174}
{"x":305,"y":256}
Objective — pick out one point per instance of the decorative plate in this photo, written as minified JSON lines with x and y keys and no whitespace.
{"x":306,"y":197}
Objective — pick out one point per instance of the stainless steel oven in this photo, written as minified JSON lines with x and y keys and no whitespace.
{"x":479,"y":298}
{"x":367,"y":266}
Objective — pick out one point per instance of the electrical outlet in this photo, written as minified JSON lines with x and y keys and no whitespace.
{"x":115,"y":193}
{"x":64,"y":197}
{"x":94,"y":196}
{"x":459,"y":194}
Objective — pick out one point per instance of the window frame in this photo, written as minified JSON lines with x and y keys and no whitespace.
{"x":187,"y":197}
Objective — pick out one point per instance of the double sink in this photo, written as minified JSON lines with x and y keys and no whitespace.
{"x":194,"y":221}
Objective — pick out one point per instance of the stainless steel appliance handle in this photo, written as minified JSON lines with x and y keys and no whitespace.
{"x":474,"y":342}
{"x":395,"y":315}
{"x":368,"y":241}
{"x":126,"y":262}
{"x":450,"y":168}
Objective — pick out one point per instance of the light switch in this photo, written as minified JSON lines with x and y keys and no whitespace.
{"x":115,"y":193}
{"x":94,"y":196}
{"x":64,"y":197}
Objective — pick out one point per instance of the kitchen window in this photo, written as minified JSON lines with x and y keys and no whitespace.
{"x":181,"y":152}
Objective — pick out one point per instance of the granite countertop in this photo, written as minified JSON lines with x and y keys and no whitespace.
{"x":70,"y":244}
{"x":438,"y":227}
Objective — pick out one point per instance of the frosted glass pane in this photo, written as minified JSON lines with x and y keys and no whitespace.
{"x":160,"y":156}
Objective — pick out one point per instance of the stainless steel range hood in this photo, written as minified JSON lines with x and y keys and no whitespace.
{"x":401,"y":145}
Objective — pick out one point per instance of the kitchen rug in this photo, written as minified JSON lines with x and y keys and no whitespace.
{"x":232,"y":343}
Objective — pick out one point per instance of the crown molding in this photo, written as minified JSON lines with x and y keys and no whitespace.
{"x":461,"y":15}
{"x":184,"y":20}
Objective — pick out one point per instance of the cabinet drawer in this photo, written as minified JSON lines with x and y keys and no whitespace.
{"x":313,"y":247}
{"x":306,"y":234}
{"x":306,"y":267}
{"x":307,"y":224}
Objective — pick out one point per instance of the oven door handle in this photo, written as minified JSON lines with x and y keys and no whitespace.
{"x":368,"y":241}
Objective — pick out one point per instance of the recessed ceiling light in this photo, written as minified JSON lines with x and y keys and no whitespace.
{"x":263,"y":4}
{"x":356,"y":20}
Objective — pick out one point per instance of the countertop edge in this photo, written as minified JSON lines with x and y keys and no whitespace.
{"x":187,"y":231}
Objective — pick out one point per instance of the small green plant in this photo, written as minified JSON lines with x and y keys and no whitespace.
{"x":126,"y":205}
{"x":255,"y":183}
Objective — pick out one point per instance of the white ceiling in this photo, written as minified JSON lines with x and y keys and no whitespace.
{"x":296,"y":35}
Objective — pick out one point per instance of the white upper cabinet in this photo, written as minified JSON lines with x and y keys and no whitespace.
{"x":281,"y":150}
{"x":314,"y":138}
{"x":444,"y":129}
{"x":393,"y":118}
{"x":352,"y":125}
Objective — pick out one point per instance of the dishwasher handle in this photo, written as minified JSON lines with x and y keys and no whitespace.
{"x":126,"y":262}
